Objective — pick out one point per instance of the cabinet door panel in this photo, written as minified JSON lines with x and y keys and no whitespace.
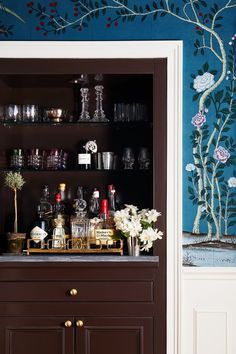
{"x":115,"y":335}
{"x":35,"y":336}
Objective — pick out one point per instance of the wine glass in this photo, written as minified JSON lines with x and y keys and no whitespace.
{"x":128,"y":158}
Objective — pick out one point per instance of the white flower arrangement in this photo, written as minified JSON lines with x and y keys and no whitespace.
{"x":140,"y":224}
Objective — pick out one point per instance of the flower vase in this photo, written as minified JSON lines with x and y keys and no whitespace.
{"x":133,"y":246}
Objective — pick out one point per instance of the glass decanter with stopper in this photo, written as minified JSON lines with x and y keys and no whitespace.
{"x":80,"y":222}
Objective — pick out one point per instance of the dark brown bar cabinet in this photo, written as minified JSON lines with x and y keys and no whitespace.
{"x":80,"y":304}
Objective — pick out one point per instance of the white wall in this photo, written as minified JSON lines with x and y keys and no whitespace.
{"x":208,"y":311}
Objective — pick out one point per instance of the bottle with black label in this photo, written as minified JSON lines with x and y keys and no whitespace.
{"x":39,"y":232}
{"x":84,"y":158}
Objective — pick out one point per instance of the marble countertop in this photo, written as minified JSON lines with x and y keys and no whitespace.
{"x":75,"y":258}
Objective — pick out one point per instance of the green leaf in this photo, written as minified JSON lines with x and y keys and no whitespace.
{"x":155,"y":5}
{"x":219,"y":95}
{"x":206,"y":67}
{"x":195,"y":97}
{"x":190,"y":190}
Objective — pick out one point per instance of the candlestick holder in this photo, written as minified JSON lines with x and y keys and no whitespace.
{"x":99,"y":115}
{"x":84,"y":115}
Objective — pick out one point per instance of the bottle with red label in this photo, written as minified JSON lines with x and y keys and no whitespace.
{"x":105,"y":229}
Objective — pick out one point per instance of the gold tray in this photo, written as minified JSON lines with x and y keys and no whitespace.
{"x":81,"y":248}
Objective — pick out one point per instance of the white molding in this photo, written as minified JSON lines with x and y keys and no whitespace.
{"x":172,"y":50}
{"x":196,"y":313}
{"x":207,"y":273}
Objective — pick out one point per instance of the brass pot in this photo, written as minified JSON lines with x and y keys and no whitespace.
{"x":16,"y":242}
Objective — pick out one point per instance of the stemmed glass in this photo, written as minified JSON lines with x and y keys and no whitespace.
{"x":144,"y":158}
{"x":128,"y":158}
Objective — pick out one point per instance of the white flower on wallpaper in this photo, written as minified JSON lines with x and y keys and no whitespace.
{"x":232,"y":182}
{"x":203,"y":82}
{"x":221,"y":154}
{"x":190,"y":167}
{"x":198,"y":120}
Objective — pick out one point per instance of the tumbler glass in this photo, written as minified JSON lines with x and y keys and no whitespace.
{"x":17,"y":160}
{"x":107,"y":160}
{"x":13,"y":113}
{"x":35,"y":159}
{"x":30,"y":113}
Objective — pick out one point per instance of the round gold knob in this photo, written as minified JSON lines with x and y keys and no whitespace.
{"x":73,"y":292}
{"x":79,"y":323}
{"x":68,"y":324}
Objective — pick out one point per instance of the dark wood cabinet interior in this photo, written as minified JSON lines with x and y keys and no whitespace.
{"x":130,"y":317}
{"x":50,"y":83}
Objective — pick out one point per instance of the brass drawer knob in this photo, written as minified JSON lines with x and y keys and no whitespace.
{"x":68,"y":324}
{"x":79,"y":323}
{"x":73,"y":292}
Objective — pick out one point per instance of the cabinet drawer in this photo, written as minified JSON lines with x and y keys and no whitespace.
{"x":90,"y":291}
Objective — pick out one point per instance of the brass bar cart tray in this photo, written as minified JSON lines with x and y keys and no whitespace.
{"x":68,"y":248}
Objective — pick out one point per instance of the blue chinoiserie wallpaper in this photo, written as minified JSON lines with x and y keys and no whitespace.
{"x":208,"y":29}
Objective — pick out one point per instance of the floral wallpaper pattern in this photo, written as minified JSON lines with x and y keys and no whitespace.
{"x":209,"y":34}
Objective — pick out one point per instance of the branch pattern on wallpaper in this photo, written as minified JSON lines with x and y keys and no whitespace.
{"x":8,"y":30}
{"x":212,"y":179}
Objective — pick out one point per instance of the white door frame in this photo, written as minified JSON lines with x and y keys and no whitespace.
{"x":172,"y":50}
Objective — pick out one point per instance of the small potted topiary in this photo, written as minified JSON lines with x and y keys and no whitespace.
{"x":15,"y":181}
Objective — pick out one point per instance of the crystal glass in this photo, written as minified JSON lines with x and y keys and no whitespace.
{"x":144,"y":158}
{"x":13,"y":113}
{"x":30,"y":113}
{"x":35,"y":159}
{"x":84,"y":115}
{"x":99,"y":115}
{"x":17,"y":160}
{"x":128,"y":158}
{"x":53,"y":160}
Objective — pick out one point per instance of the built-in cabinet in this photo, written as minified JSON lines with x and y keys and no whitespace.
{"x":87,"y":308}
{"x":119,"y":306}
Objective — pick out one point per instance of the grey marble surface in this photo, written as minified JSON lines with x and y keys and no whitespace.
{"x":75,"y":258}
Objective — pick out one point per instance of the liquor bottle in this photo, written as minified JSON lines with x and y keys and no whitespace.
{"x":80,"y":222}
{"x":59,"y":208}
{"x":39,"y":232}
{"x":58,"y":235}
{"x":94,"y":204}
{"x":65,"y":204}
{"x":84,"y":158}
{"x":85,"y":152}
{"x":105,"y":229}
{"x":45,"y":206}
{"x":111,"y":199}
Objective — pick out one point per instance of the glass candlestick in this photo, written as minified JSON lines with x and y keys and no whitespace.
{"x":84,"y":115}
{"x":99,"y":115}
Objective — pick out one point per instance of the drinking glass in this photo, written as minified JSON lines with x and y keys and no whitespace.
{"x":30,"y":113}
{"x":144,"y":158}
{"x":13,"y":112}
{"x":35,"y":159}
{"x":128,"y":158}
{"x":107,"y":160}
{"x":17,"y":160}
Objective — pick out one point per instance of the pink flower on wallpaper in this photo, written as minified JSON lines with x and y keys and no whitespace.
{"x":221,"y":154}
{"x":198,"y":120}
